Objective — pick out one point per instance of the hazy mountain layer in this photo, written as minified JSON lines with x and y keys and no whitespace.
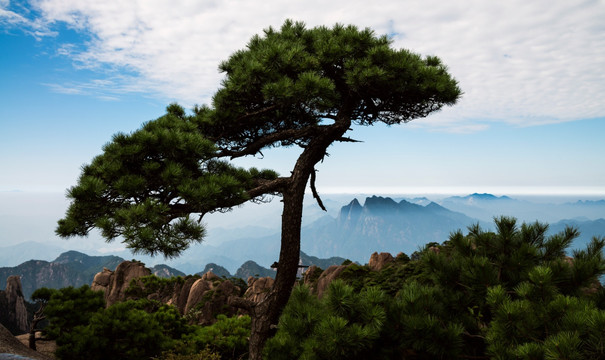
{"x":382,"y":225}
{"x":71,"y":268}
{"x":486,"y":206}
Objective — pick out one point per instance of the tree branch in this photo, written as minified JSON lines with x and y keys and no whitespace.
{"x":314,"y":190}
{"x":258,"y":112}
{"x":263,"y":187}
{"x":267,"y":140}
{"x":348,"y":139}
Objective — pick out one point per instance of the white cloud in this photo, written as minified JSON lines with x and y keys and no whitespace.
{"x":519,"y":62}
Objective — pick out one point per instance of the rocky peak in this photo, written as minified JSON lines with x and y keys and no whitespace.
{"x":350,"y":212}
{"x":13,"y":313}
{"x":71,"y":256}
{"x":380,"y":204}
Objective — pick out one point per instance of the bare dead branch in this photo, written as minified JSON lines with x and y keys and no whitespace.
{"x":348,"y":139}
{"x":314,"y":190}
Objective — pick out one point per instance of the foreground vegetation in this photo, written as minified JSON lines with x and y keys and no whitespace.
{"x":508,"y":294}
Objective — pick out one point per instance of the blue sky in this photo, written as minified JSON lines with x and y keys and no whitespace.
{"x":532,"y":119}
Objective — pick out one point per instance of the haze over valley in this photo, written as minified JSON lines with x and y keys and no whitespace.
{"x":353,"y":227}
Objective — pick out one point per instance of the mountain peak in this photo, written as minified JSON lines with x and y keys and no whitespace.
{"x":353,"y":204}
{"x":71,"y":256}
{"x":351,"y":211}
{"x":434,"y":206}
{"x":482,"y":196}
{"x":486,"y":196}
{"x":380,"y":203}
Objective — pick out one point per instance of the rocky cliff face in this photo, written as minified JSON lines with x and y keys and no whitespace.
{"x":13,"y":313}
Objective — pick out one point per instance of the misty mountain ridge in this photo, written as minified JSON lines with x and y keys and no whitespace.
{"x":70,"y":269}
{"x":382,"y":224}
{"x":487,"y":206}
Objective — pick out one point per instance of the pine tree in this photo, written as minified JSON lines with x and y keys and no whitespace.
{"x":289,"y":87}
{"x":507,"y":294}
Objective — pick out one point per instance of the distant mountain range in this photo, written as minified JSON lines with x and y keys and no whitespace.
{"x":588,"y":229}
{"x":486,"y":206}
{"x":69,"y":269}
{"x":350,"y":229}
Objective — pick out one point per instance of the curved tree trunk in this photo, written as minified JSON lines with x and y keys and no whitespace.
{"x":266,"y":314}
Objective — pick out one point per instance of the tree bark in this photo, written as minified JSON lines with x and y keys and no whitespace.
{"x":265,"y":315}
{"x":38,"y":316}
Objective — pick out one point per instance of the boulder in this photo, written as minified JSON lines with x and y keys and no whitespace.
{"x":210,"y":276}
{"x":196,"y":293}
{"x":101,"y":280}
{"x":181,"y":296}
{"x":379,"y":261}
{"x":327,"y":277}
{"x":210,"y":297}
{"x":258,"y":288}
{"x":115,"y":283}
{"x":311,"y":276}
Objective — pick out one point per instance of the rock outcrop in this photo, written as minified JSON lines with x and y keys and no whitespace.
{"x":13,"y":313}
{"x":379,"y":261}
{"x":115,"y":283}
{"x":199,"y":298}
{"x":327,"y":277}
{"x":319,"y":280}
{"x":258,"y":288}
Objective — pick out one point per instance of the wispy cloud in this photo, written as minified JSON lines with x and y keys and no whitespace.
{"x":22,"y":19}
{"x":520,"y":62}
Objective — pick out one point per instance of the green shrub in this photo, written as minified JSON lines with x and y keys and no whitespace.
{"x":129,"y":330}
{"x":69,"y":307}
{"x":228,"y":337}
{"x":508,"y":294}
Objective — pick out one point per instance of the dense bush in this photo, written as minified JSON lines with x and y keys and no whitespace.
{"x":128,"y":330}
{"x":138,"y":329}
{"x":68,"y":308}
{"x":508,"y":294}
{"x":227,"y":337}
